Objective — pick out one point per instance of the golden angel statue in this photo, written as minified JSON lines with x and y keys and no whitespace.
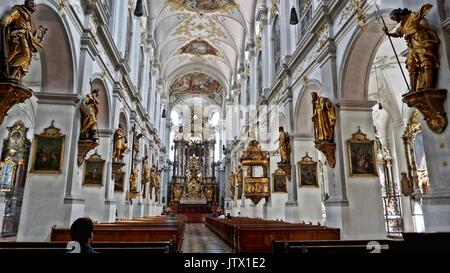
{"x":324,"y":119}
{"x":19,"y":41}
{"x":232,"y":184}
{"x":89,"y":112}
{"x":120,"y":144}
{"x":153,"y":176}
{"x":284,"y":141}
{"x":423,"y":58}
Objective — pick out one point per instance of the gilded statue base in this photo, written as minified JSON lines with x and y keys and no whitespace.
{"x":84,"y":146}
{"x":117,"y":167}
{"x":132,"y":195}
{"x":10,"y":95}
{"x":430,"y":102}
{"x":286,"y":169}
{"x":257,"y":188}
{"x":329,"y":150}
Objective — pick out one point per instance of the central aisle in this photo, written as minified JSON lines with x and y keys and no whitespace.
{"x":200,"y":239}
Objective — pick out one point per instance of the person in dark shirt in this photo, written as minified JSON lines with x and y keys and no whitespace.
{"x":82,"y":232}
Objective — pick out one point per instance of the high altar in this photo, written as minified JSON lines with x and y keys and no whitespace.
{"x":193,"y":178}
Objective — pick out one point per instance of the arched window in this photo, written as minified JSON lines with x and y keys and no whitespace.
{"x":276,"y":44}
{"x":141,"y":70}
{"x":305,"y":14}
{"x":129,"y":36}
{"x":260,"y":75}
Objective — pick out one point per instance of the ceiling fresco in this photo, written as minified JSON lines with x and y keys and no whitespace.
{"x":198,"y":47}
{"x":195,"y":83}
{"x":203,"y":5}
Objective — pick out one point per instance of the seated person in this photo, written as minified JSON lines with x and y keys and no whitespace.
{"x":228,"y":216}
{"x":82,"y":232}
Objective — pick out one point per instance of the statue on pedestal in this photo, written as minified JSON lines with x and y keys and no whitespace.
{"x":18,"y":41}
{"x":232,"y":184}
{"x":324,"y":119}
{"x":120,"y":144}
{"x":423,"y":44}
{"x":284,"y":146}
{"x":89,"y":111}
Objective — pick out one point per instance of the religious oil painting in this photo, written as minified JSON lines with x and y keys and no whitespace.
{"x":279,"y":181}
{"x":93,"y":171}
{"x":48,"y":151}
{"x":362,"y":157}
{"x":203,"y":5}
{"x":196,"y":83}
{"x":118,"y":181}
{"x":307,"y":168}
{"x":199,"y":47}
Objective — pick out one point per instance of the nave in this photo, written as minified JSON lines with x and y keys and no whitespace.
{"x":200,"y":239}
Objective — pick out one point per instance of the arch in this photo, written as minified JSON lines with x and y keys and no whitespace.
{"x":358,"y":58}
{"x":103,"y":116}
{"x":57,"y":54}
{"x":304,"y":110}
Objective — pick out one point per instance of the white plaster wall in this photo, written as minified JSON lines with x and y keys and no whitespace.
{"x":363,"y":218}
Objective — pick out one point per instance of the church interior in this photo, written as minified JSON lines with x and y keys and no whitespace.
{"x":225,"y":126}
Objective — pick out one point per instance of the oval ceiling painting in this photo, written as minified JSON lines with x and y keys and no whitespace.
{"x":203,"y":5}
{"x":198,"y":47}
{"x":196,"y":83}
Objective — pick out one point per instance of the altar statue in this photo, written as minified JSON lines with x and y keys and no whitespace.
{"x":324,"y":119}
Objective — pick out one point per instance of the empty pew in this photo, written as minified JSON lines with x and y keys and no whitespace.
{"x":250,"y":235}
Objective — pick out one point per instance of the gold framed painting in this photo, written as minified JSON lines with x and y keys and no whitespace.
{"x":7,"y":174}
{"x":279,"y":181}
{"x":119,"y":181}
{"x":48,"y":155}
{"x":308,"y":172}
{"x":362,"y":155}
{"x":93,"y":170}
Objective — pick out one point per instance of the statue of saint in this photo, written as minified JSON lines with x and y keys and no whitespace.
{"x":423,"y":57}
{"x":239,"y":178}
{"x":284,"y":146}
{"x":134,"y":180}
{"x":18,"y":40}
{"x":89,"y":111}
{"x":324,"y":119}
{"x":232,"y":182}
{"x":153,"y":176}
{"x":120,"y":144}
{"x":145,"y":170}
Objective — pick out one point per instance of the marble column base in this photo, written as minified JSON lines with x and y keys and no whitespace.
{"x":138,"y":210}
{"x":147,"y":209}
{"x":292,"y":212}
{"x":73,"y":209}
{"x":128,"y":211}
{"x":109,"y":214}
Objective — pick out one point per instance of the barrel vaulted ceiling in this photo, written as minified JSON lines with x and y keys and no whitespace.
{"x":204,"y":38}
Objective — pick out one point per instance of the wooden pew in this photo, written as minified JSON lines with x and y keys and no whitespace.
{"x":250,"y":235}
{"x":61,"y":247}
{"x":335,"y":246}
{"x":138,"y":230}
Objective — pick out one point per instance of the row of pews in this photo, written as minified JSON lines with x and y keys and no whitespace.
{"x":436,"y":242}
{"x":251,"y":235}
{"x":158,"y":234}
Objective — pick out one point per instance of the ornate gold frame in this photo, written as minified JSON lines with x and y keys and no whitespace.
{"x":360,"y":138}
{"x":96,"y":158}
{"x":8,"y":161}
{"x":307,"y":160}
{"x":279,"y":172}
{"x":122,"y":176}
{"x":50,"y":132}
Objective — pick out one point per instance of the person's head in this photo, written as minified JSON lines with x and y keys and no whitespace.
{"x":95,"y":92}
{"x":30,"y":5}
{"x":314,"y":95}
{"x":397,"y":15}
{"x":81,"y":230}
{"x":281,"y":129}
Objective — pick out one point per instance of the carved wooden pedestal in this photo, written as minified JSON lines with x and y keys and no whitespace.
{"x":329,"y":149}
{"x":117,"y":167}
{"x":257,"y":188}
{"x":286,"y":168}
{"x":430,"y":102}
{"x":84,"y":146}
{"x":10,"y":95}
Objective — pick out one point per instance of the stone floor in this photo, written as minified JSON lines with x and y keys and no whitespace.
{"x":200,"y":239}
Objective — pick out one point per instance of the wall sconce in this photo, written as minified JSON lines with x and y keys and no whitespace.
{"x":294,"y":18}
{"x":139,"y":10}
